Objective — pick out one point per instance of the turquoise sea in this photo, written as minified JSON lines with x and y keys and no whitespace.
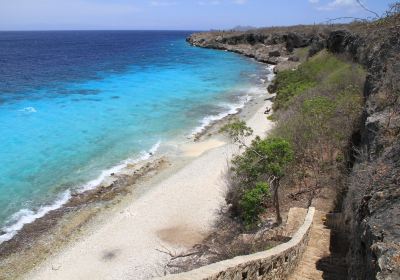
{"x":74,"y":106}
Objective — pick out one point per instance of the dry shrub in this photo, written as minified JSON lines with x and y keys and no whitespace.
{"x":321,"y":138}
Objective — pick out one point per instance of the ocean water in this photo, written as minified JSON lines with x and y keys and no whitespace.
{"x":75,"y":106}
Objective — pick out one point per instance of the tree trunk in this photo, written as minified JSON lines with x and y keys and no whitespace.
{"x":276,"y":202}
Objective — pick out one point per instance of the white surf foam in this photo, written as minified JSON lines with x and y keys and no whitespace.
{"x":28,"y":110}
{"x":144,"y":155}
{"x":271,"y":74}
{"x":27,"y":216}
{"x":232,"y":108}
{"x":208,"y":120}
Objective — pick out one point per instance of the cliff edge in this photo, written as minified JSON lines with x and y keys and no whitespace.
{"x":370,"y":208}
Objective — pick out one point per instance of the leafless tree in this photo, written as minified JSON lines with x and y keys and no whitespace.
{"x":364,"y":7}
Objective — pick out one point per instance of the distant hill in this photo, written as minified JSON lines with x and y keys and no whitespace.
{"x":243,"y":28}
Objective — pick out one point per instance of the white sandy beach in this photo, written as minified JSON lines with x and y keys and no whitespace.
{"x":176,"y":212}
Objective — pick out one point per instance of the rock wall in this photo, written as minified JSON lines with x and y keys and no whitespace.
{"x":277,"y":263}
{"x":372,"y":206}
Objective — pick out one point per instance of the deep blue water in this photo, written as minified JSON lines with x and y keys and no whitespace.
{"x":76,"y":103}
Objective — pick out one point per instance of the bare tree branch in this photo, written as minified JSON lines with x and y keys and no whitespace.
{"x":175,"y":255}
{"x":365,"y":8}
{"x":361,"y":4}
{"x":353,"y":18}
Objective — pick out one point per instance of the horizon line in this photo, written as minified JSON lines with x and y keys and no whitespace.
{"x":67,"y":30}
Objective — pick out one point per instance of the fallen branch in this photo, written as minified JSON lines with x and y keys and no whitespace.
{"x":175,"y":255}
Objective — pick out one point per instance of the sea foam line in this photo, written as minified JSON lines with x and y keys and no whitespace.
{"x":208,"y":120}
{"x":27,"y":216}
{"x":233,"y":108}
{"x":271,"y":74}
{"x":28,"y":110}
{"x":117,"y":168}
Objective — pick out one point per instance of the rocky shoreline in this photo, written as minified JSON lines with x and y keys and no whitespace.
{"x":37,"y":240}
{"x":276,"y":48}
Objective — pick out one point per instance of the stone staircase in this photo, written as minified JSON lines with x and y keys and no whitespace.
{"x":322,"y":257}
{"x":321,"y":260}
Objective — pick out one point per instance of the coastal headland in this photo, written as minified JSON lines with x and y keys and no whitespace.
{"x":175,"y":206}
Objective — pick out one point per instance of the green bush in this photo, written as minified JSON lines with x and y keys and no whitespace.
{"x":323,"y":68}
{"x":291,"y":83}
{"x":266,"y":160}
{"x":264,"y":157}
{"x":237,"y":130}
{"x":252,"y":201}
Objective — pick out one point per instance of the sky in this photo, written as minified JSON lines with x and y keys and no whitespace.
{"x":174,"y":14}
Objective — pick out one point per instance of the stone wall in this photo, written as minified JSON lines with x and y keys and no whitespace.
{"x":276,"y":263}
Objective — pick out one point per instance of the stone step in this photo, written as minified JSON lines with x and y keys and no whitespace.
{"x":313,"y":262}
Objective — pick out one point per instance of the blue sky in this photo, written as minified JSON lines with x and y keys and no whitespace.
{"x":174,"y":14}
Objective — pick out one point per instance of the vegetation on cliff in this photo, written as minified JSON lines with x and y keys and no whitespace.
{"x":318,"y":106}
{"x":320,"y":120}
{"x":322,"y":70}
{"x":344,"y":133}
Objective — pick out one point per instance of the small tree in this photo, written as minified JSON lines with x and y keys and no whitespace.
{"x":277,"y":154}
{"x":263,"y":160}
{"x":252,"y":203}
{"x":237,"y":131}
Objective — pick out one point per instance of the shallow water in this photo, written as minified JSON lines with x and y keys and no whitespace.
{"x":74,"y":104}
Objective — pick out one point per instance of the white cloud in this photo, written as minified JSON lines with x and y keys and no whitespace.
{"x":339,"y":4}
{"x":162,"y":3}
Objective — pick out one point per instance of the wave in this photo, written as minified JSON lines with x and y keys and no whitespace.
{"x":271,"y":74}
{"x":144,"y":155}
{"x":208,"y":120}
{"x":232,"y":108}
{"x":28,"y":110}
{"x":27,"y":216}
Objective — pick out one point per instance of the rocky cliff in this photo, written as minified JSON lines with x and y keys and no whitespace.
{"x":371,"y":207}
{"x":273,"y":46}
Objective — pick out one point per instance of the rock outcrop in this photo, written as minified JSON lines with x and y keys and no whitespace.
{"x":371,"y":207}
{"x":273,"y":48}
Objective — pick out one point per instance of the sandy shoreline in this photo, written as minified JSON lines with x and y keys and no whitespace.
{"x":182,"y":175}
{"x":87,"y":211}
{"x":176,"y":210}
